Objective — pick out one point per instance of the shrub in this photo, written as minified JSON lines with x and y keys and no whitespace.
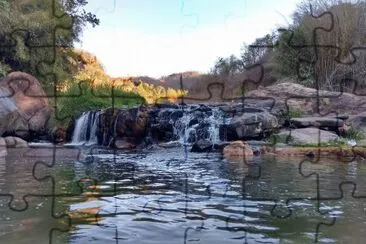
{"x":82,"y":97}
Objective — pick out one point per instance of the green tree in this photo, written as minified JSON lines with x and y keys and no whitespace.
{"x":37,"y":35}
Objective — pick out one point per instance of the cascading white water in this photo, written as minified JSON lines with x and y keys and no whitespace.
{"x":93,"y":139}
{"x":85,"y":131}
{"x":183,"y":129}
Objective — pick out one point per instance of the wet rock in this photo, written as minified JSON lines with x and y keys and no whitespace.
{"x":170,"y":144}
{"x":59,"y":135}
{"x":123,"y":144}
{"x":237,"y":149}
{"x":204,"y":146}
{"x":251,"y":125}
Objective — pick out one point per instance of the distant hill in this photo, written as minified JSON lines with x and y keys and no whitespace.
{"x":172,"y":80}
{"x":198,"y":85}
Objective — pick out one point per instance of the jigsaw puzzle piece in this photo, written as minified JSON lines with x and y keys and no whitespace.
{"x":314,"y":217}
{"x":38,"y":223}
{"x":25,"y":185}
{"x":191,"y":19}
{"x":349,"y":209}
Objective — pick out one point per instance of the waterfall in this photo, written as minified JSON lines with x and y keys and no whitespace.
{"x":85,"y":131}
{"x":195,"y":125}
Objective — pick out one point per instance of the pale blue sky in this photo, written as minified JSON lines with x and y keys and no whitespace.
{"x":160,"y":37}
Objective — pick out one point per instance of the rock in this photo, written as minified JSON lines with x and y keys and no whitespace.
{"x":122,"y":144}
{"x":319,"y":122}
{"x":250,"y":125}
{"x":237,"y":149}
{"x":23,"y":105}
{"x":357,"y":122}
{"x":204,"y":146}
{"x":329,"y":102}
{"x":3,"y":151}
{"x":15,"y":142}
{"x":59,"y":135}
{"x":170,"y":144}
{"x":308,"y":136}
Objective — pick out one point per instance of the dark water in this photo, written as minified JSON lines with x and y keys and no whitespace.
{"x":169,"y":196}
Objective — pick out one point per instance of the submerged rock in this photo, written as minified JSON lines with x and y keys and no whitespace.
{"x":237,"y":149}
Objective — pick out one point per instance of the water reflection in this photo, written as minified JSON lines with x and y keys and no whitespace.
{"x":162,"y":196}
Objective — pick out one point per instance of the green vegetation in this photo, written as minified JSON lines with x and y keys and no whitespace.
{"x":335,"y":143}
{"x":293,"y":52}
{"x":294,"y":112}
{"x":83,"y":96}
{"x":36,"y":37}
{"x":91,"y":88}
{"x":353,"y":134}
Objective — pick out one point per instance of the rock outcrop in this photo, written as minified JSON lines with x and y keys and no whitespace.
{"x":310,"y":101}
{"x":24,"y":108}
{"x":251,"y":125}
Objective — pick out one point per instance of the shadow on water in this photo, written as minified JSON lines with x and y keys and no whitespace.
{"x":162,"y":197}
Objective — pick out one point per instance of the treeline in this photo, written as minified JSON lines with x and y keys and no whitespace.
{"x":324,"y":47}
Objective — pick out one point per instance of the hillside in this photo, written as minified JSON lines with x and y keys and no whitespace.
{"x":197,"y":84}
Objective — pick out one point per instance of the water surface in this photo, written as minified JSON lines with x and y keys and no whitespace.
{"x":173,"y":196}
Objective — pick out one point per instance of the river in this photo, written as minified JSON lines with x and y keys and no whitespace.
{"x":169,"y":195}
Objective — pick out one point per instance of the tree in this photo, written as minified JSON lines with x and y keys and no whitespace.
{"x":328,"y":52}
{"x":39,"y":39}
{"x":227,"y":66}
{"x":256,"y":52}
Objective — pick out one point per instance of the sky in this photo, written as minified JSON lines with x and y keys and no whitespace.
{"x":161,"y":37}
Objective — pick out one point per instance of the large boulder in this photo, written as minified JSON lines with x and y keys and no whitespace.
{"x":250,"y":125}
{"x":238,"y":149}
{"x":357,"y":122}
{"x":329,"y":123}
{"x":131,"y":123}
{"x":24,"y":107}
{"x":310,"y":101}
{"x":306,"y":136}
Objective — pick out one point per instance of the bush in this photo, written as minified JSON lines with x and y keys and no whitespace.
{"x":82,"y":97}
